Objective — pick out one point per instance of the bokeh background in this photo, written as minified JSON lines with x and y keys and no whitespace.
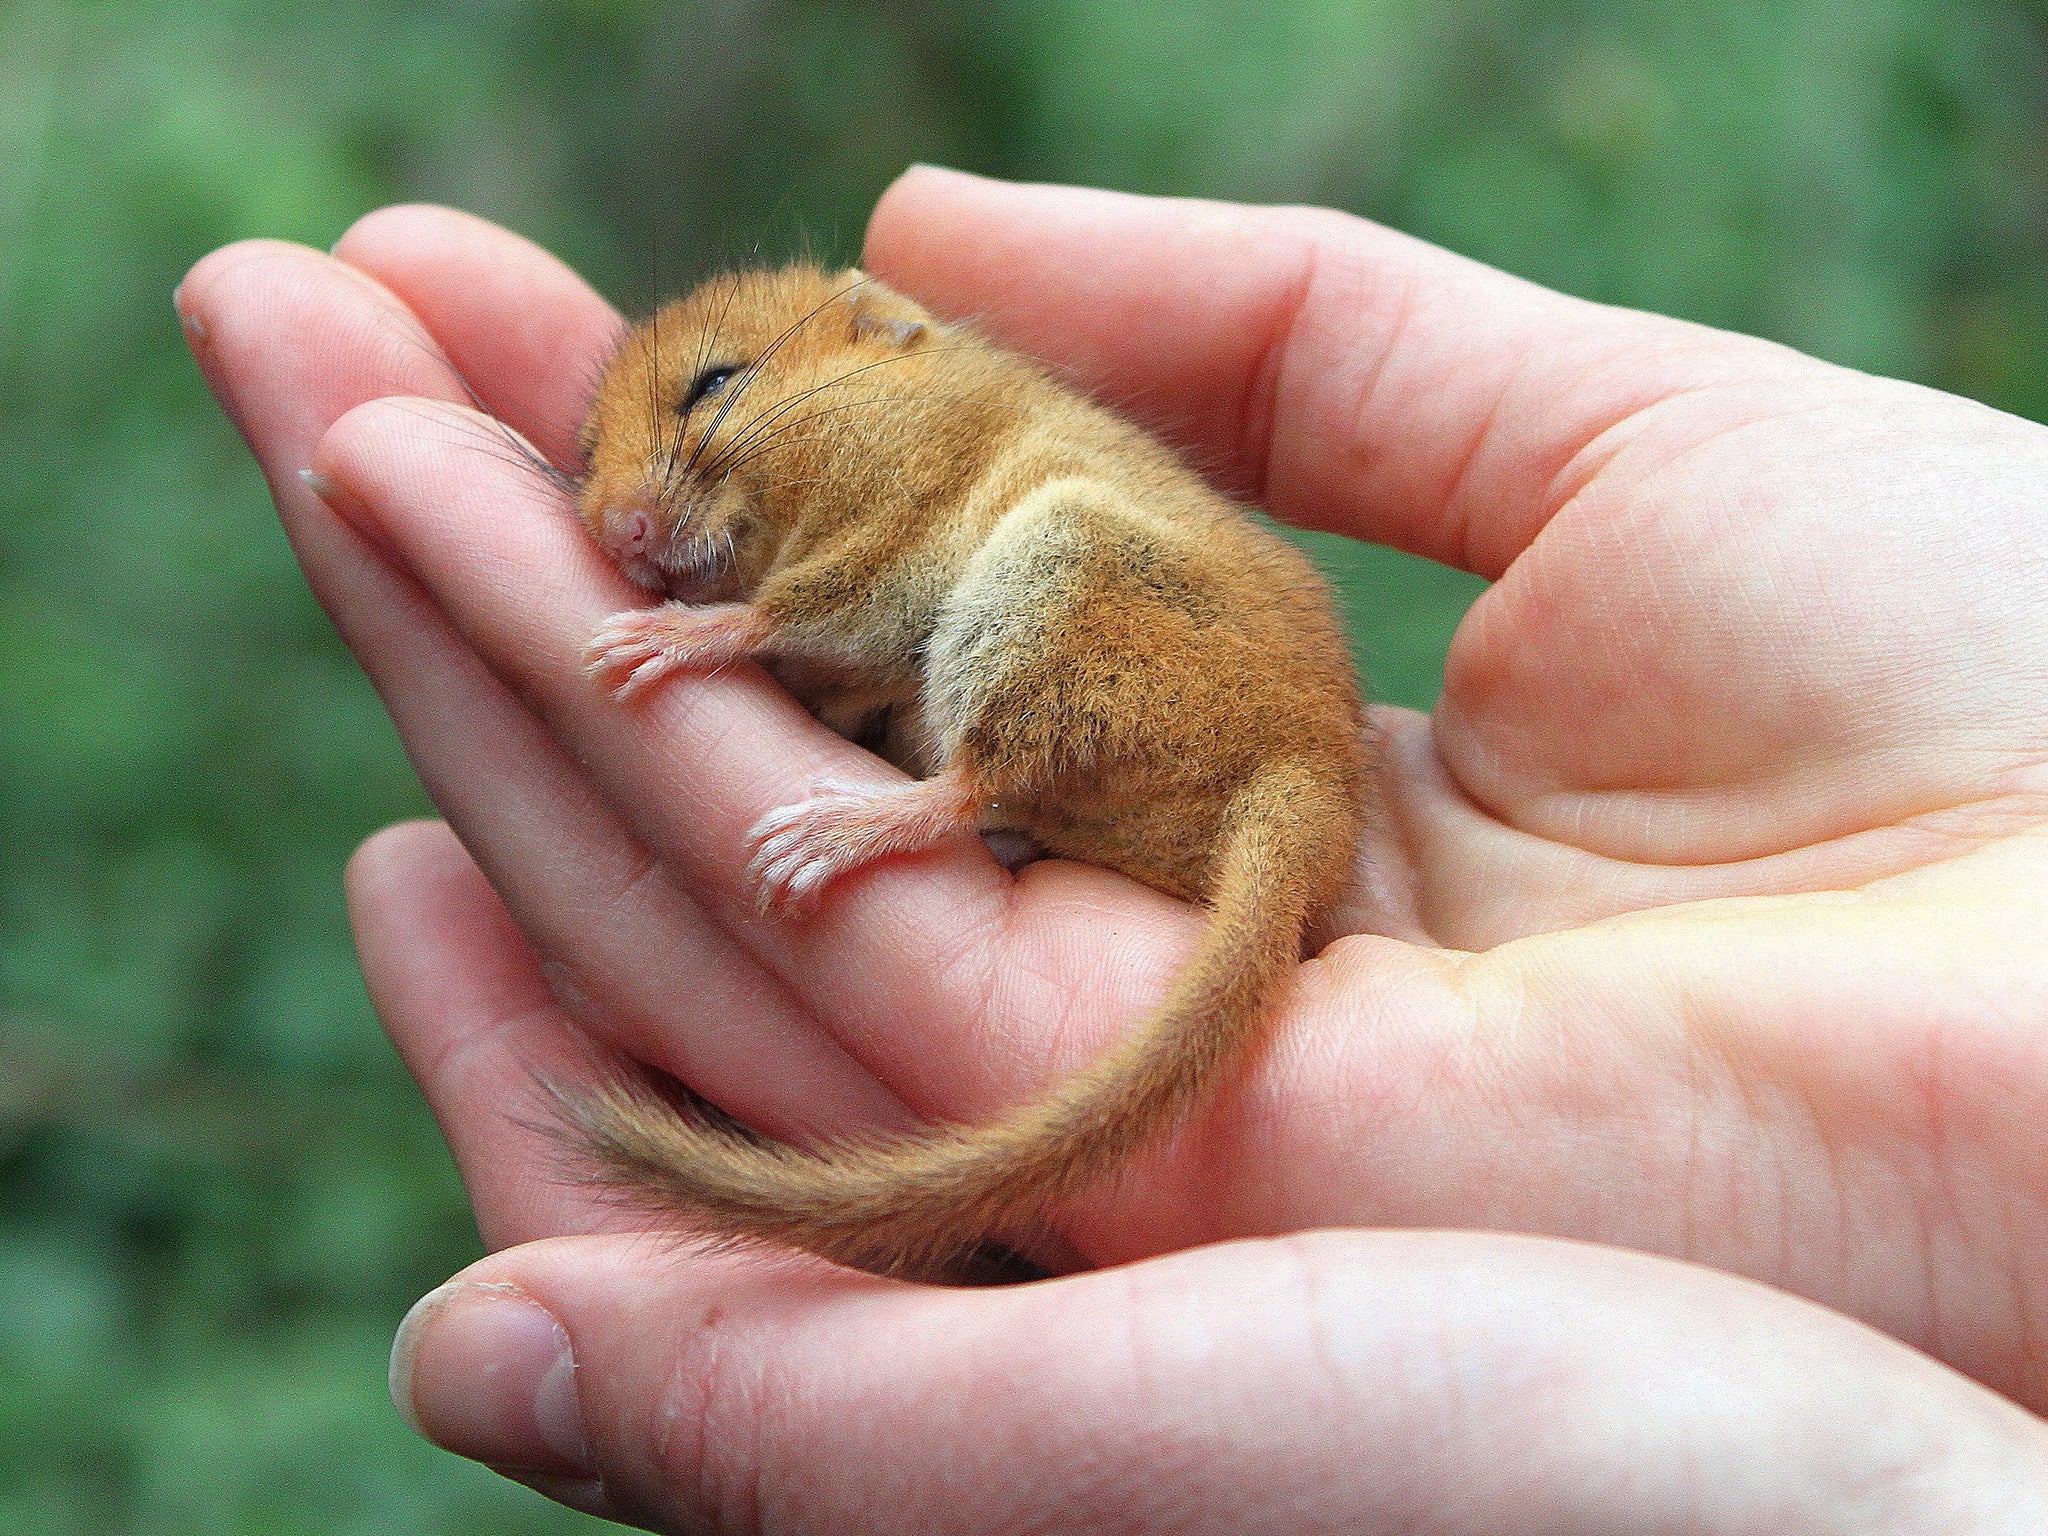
{"x":218,"y":1192}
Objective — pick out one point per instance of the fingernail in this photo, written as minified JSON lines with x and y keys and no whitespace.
{"x":352,"y":512}
{"x":485,"y":1371}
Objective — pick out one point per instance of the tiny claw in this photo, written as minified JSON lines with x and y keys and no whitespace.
{"x":633,"y":644}
{"x":605,"y":667}
{"x":802,"y":888}
{"x":650,"y":669}
{"x":795,"y":887}
{"x":605,"y":647}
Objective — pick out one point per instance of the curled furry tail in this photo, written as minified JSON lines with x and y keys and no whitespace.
{"x":916,"y":1204}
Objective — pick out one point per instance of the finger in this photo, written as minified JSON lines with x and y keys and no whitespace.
{"x":526,"y":332}
{"x":909,"y":958}
{"x":1388,"y":1381}
{"x":293,"y":339}
{"x":1341,"y":374}
{"x":288,"y":340}
{"x":479,"y":1019}
{"x":465,"y":1003}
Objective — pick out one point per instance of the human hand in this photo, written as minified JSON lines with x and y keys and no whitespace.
{"x":1431,"y":1382}
{"x":1458,"y":1384}
{"x":1818,"y":1078}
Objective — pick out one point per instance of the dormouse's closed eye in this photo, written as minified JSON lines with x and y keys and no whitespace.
{"x":707,"y":383}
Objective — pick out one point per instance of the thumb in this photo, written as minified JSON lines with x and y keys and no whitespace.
{"x":1352,"y":1381}
{"x":1339,"y":373}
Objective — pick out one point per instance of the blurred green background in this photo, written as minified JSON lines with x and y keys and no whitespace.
{"x":219,"y":1192}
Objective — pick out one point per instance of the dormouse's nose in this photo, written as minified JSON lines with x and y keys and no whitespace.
{"x":626,"y":530}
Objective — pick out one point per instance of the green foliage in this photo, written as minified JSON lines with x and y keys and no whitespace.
{"x":218,"y":1190}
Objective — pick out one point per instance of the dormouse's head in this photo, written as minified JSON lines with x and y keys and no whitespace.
{"x":697,"y":413}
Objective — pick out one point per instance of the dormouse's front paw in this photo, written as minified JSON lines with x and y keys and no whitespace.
{"x":643,"y":645}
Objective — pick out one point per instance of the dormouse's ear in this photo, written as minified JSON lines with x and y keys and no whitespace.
{"x":880,"y":312}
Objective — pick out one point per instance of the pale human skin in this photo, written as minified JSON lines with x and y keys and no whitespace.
{"x":1717,"y":883}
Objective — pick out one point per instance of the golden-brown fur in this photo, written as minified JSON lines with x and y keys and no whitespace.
{"x":1024,"y":599}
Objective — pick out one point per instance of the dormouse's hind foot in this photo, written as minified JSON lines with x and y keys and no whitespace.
{"x":802,"y":848}
{"x":641,"y":646}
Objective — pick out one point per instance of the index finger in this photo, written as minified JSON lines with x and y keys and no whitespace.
{"x":1341,"y":374}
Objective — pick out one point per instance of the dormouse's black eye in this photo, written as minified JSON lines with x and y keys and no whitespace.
{"x":709,"y":382}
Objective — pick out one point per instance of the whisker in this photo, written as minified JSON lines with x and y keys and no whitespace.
{"x":768,"y":414}
{"x":508,"y":450}
{"x":707,"y":342}
{"x":775,"y":439}
{"x":653,"y":402}
{"x":560,"y":476}
{"x":753,"y":370}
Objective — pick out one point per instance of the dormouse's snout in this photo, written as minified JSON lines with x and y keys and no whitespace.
{"x":626,"y":532}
